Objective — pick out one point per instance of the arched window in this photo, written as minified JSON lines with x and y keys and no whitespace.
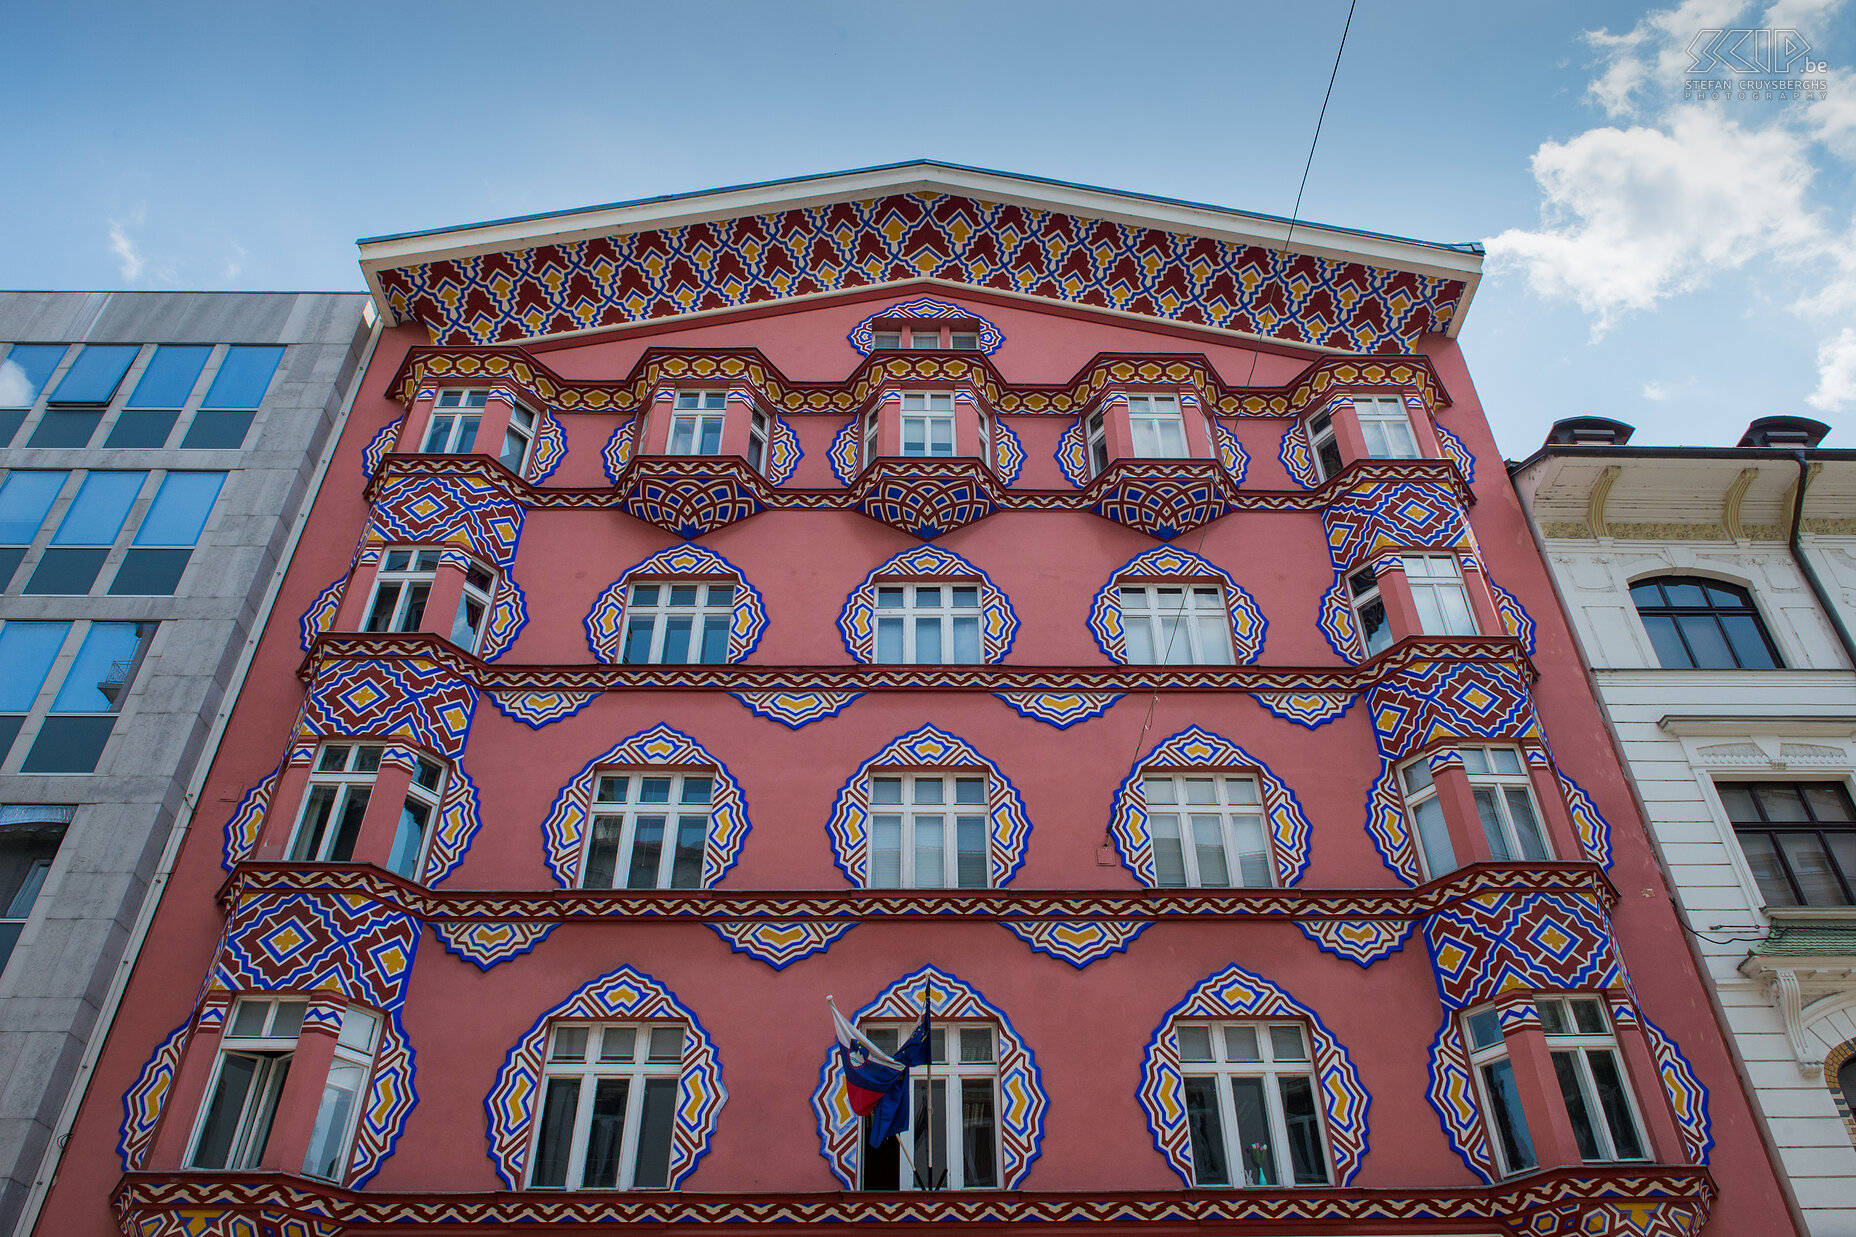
{"x":1699,"y":624}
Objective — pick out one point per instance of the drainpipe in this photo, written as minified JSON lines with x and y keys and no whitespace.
{"x":1810,"y":572}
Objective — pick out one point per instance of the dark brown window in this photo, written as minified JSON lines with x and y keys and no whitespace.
{"x":1699,"y":624}
{"x":1798,"y":837}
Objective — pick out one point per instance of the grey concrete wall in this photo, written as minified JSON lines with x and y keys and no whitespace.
{"x":55,"y":982}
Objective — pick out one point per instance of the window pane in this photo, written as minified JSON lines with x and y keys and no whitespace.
{"x":979,"y":1162}
{"x":1670,"y":654}
{"x":1749,"y":644}
{"x":970,"y":853}
{"x":966,"y":641}
{"x":1611,"y":1097}
{"x":1169,"y":855}
{"x":60,"y":428}
{"x":886,"y":852}
{"x":605,"y":1134}
{"x":1510,"y":1121}
{"x":602,"y":856}
{"x":1737,"y":799}
{"x":408,"y":838}
{"x":1240,"y":1044}
{"x":569,"y":1044}
{"x":666,"y":1044}
{"x":1139,"y":641}
{"x":1685,"y":593}
{"x":1206,"y":1130}
{"x":1526,"y":824}
{"x":66,"y":572}
{"x":328,"y":1139}
{"x":930,"y":859}
{"x":638,"y":631}
{"x":243,"y":377}
{"x":1566,"y":1069}
{"x":557,"y":1133}
{"x":1256,"y":1148}
{"x":686,"y":863}
{"x":1705,"y":642}
{"x":27,"y":651}
{"x":1253,"y":851}
{"x":1194,"y":1043}
{"x":1781,"y":801}
{"x":927,"y":641}
{"x":1286,"y":1044}
{"x":647,"y":851}
{"x":1298,"y":1113}
{"x":24,"y":372}
{"x":715,"y":639}
{"x":1811,"y":869}
{"x":147,"y":573}
{"x":180,"y":509}
{"x":95,"y":516}
{"x":222,"y":1114}
{"x":1492,"y":822}
{"x":169,"y":378}
{"x":354,"y":810}
{"x":93,"y":377}
{"x":1434,"y":837}
{"x":217,"y":431}
{"x":25,"y":497}
{"x":141,"y":429}
{"x":1827,"y":800}
{"x":654,"y":1130}
{"x":1208,"y":843}
{"x":104,"y":656}
{"x":676,"y":639}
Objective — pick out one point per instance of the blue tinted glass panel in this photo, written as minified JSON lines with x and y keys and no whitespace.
{"x":25,"y":370}
{"x":94,"y":376}
{"x":26,"y":653}
{"x":96,"y":514}
{"x":25,"y":497}
{"x":104,"y":645}
{"x":243,"y":378}
{"x":169,"y":378}
{"x":180,"y":508}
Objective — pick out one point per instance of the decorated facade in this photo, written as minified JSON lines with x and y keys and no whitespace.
{"x":1078,"y":613}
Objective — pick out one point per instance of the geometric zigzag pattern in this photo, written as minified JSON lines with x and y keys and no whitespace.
{"x":248,"y":820}
{"x":1453,"y":1094}
{"x":796,"y":709}
{"x":619,"y":449}
{"x":1007,"y":828}
{"x":780,"y":943}
{"x":666,"y":272}
{"x":1310,"y":709}
{"x":1022,"y":1100}
{"x":624,"y":994}
{"x":857,"y":621}
{"x":924,"y":309}
{"x":1452,"y":445}
{"x":410,"y":698}
{"x":304,"y":941}
{"x":1078,"y":941}
{"x":657,"y":750}
{"x":320,"y":616}
{"x":1060,"y":709}
{"x":1491,"y":943}
{"x":489,"y":942}
{"x":1515,"y":618}
{"x":1237,"y":993}
{"x":451,"y":510}
{"x":390,"y":1098}
{"x":605,"y":623}
{"x":1175,"y":566}
{"x":538,"y":708}
{"x":1364,"y":941}
{"x":1197,"y":750}
{"x":1687,"y":1096}
{"x":458,"y":822}
{"x":141,"y":1104}
{"x":1429,"y":702}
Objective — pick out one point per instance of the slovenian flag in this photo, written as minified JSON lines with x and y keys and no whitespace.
{"x":875,"y":1083}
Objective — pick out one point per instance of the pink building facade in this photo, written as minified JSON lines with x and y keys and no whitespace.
{"x":1072,"y":609}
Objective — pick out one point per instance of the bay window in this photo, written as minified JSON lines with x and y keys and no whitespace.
{"x":696,"y":423}
{"x":517,"y":437}
{"x":1207,"y":832}
{"x":927,"y":423}
{"x":333,"y":1133}
{"x":1437,"y":591}
{"x":254,"y":1059}
{"x":1251,"y":1108}
{"x":954,"y":1105}
{"x":648,"y":831}
{"x":608,"y":1107}
{"x":920,"y":838}
{"x":455,"y":418}
{"x":1369,"y":609}
{"x":1155,"y":429}
{"x":1324,"y":444}
{"x":403,"y":585}
{"x":1386,"y":427}
{"x":1504,"y":798}
{"x":1095,"y":434}
{"x":341,"y":783}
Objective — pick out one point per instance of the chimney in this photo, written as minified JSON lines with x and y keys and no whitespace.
{"x":1788,"y":432}
{"x":1589,"y":432}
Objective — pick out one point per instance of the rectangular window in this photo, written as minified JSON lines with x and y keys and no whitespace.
{"x":1591,"y":1080}
{"x":678,"y":623}
{"x":29,"y":838}
{"x":1175,"y":625}
{"x":1096,"y":433}
{"x":25,"y":499}
{"x":401,"y":586}
{"x":964,"y":341}
{"x":77,"y":726}
{"x":243,"y":377}
{"x":24,"y":371}
{"x":1798,"y":837}
{"x":696,"y":423}
{"x":648,"y":831}
{"x":455,"y":417}
{"x":927,"y":423}
{"x":1437,"y":591}
{"x":331,"y":1136}
{"x":254,"y":1059}
{"x":886,"y":340}
{"x":925,"y":339}
{"x":516,"y":439}
{"x":1155,"y":428}
{"x":1504,"y":798}
{"x":214,"y":430}
{"x":955,"y":1107}
{"x":141,"y":429}
{"x":1386,"y":427}
{"x":920,"y":839}
{"x":95,"y":375}
{"x":169,"y":530}
{"x":1325,"y":445}
{"x":608,"y":1107}
{"x":1207,"y":832}
{"x":1433,"y":834}
{"x":335,"y":802}
{"x":90,"y":525}
{"x":757,"y":441}
{"x":1251,"y":1113}
{"x":928,"y":624}
{"x":27,"y":651}
{"x":170,"y":377}
{"x":1370,"y":609}
{"x":1501,"y":1097}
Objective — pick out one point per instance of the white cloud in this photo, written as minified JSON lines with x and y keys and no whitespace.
{"x":129,"y":258}
{"x":15,"y":389}
{"x":1836,"y":373}
{"x":1675,"y":192}
{"x":1656,"y":390}
{"x":235,"y":261}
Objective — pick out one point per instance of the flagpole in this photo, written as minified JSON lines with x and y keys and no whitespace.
{"x":927,"y":1015}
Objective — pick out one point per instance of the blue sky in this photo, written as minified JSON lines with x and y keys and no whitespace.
{"x":1681,"y":266}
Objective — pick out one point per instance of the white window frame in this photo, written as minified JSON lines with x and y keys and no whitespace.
{"x":692,"y":411}
{"x":274,"y":1049}
{"x":1493,"y":789}
{"x":1436,"y":852}
{"x":705,"y":613}
{"x":457,"y":407}
{"x":1364,"y":596}
{"x":1154,"y":414}
{"x":1483,"y":1055}
{"x":1385,"y":427}
{"x":911,"y":336}
{"x":1271,"y":1066}
{"x":1440,"y":594}
{"x":1322,"y":435}
{"x":403,"y":569}
{"x":1231,"y":805}
{"x":353,"y":1064}
{"x":895,"y":633}
{"x":346,"y":766}
{"x":618,"y":797}
{"x":932,"y":409}
{"x":520,"y":435}
{"x":760,"y":429}
{"x":948,"y":1111}
{"x":590,"y":1067}
{"x":473,"y":606}
{"x":909,"y":810}
{"x":1201,"y":623}
{"x":1095,"y":441}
